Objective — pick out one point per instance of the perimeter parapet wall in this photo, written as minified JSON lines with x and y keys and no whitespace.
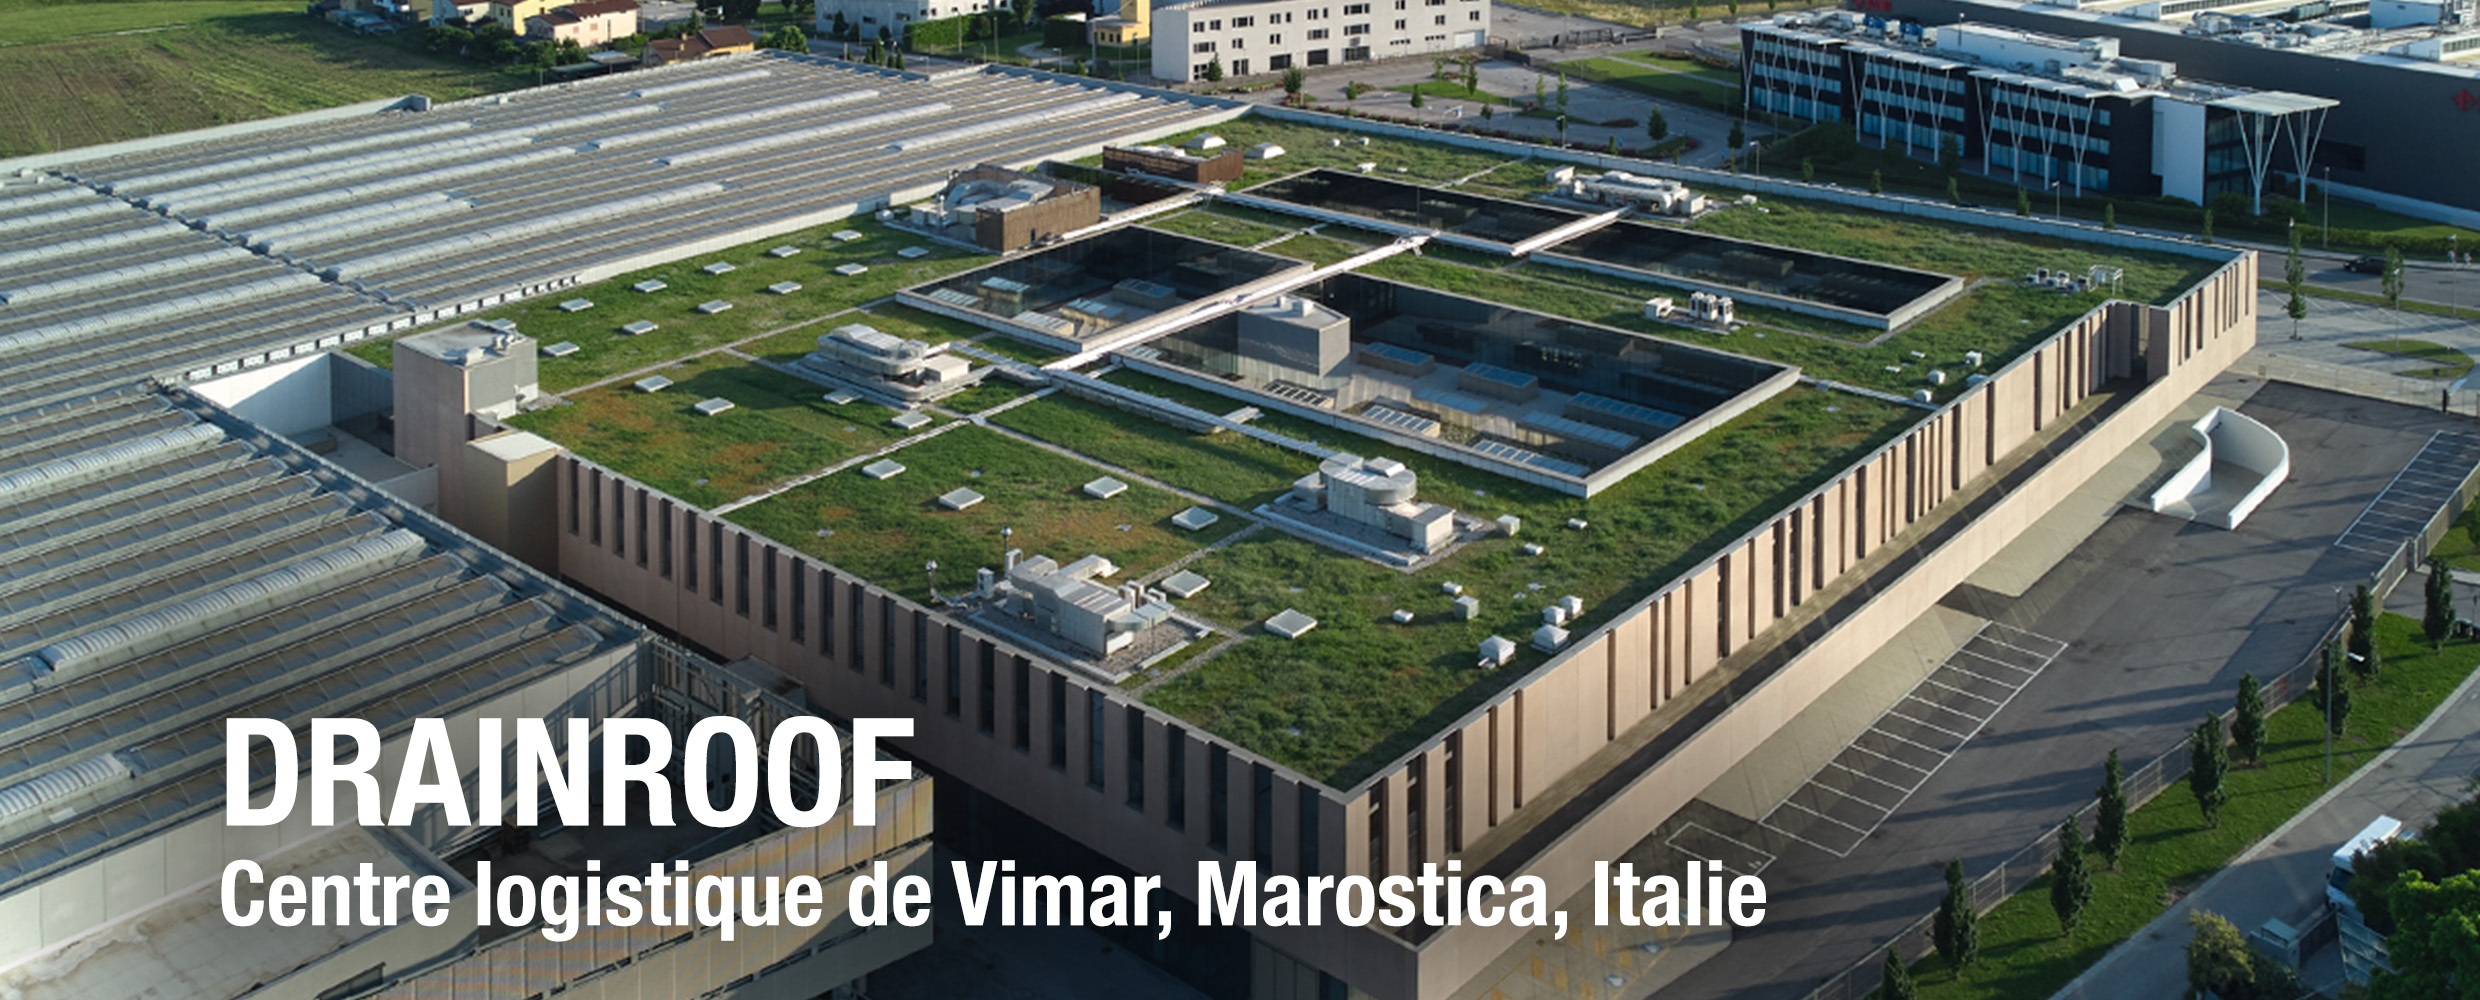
{"x":1096,"y":765}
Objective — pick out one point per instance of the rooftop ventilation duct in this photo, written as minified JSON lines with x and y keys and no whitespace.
{"x":63,"y":472}
{"x":708,"y":127}
{"x":799,"y":136}
{"x":513,"y":164}
{"x":701,"y":83}
{"x":160,"y":311}
{"x":314,"y":151}
{"x":151,"y":272}
{"x":176,"y":623}
{"x":44,"y":789}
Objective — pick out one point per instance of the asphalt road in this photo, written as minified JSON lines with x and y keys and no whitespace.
{"x":2161,"y":617}
{"x":2284,"y":874}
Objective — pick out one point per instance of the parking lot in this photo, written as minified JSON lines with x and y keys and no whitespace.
{"x":2413,"y":496}
{"x":1855,"y":792}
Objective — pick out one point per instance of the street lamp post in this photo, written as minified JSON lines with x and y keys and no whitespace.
{"x":2057,"y":202}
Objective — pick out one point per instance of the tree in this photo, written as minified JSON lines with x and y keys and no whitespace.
{"x":1896,"y":983}
{"x":2247,"y":721}
{"x":1562,"y":92}
{"x":2432,"y":949}
{"x":2294,"y":276}
{"x":1214,"y":70}
{"x":2220,"y":960}
{"x":447,"y":38}
{"x":1808,"y":170}
{"x":1877,"y":182}
{"x":1541,"y":91}
{"x":1612,"y":147}
{"x":1657,"y":127}
{"x":1295,"y":80}
{"x":1472,"y":78}
{"x":736,"y":10}
{"x":2070,"y":880}
{"x":2438,"y":620}
{"x":1957,"y":927}
{"x":2110,"y":820}
{"x":2393,"y":284}
{"x":1417,"y":102}
{"x":2023,"y":201}
{"x":1954,"y":191}
{"x":789,"y":38}
{"x":1733,"y":7}
{"x":2364,"y":661}
{"x":2333,"y":691}
{"x":895,"y":59}
{"x":1950,"y":153}
{"x":2208,"y":762}
{"x":1486,"y":113}
{"x":1739,"y":136}
{"x":2205,"y":231}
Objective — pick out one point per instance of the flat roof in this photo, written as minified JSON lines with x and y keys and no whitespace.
{"x":2274,"y":102}
{"x":124,"y":520}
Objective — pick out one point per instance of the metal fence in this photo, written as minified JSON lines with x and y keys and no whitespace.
{"x":2152,"y":777}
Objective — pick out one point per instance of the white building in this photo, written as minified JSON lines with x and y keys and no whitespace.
{"x":895,"y":15}
{"x":1270,"y":36}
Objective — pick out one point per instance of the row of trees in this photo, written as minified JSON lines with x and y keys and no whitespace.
{"x":2389,"y":876}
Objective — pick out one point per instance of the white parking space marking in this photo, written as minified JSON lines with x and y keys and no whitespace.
{"x":1834,"y":811}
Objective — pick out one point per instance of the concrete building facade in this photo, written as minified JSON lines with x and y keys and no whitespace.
{"x":1250,"y":37}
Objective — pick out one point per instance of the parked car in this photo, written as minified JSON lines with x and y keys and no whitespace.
{"x":2365,"y":265}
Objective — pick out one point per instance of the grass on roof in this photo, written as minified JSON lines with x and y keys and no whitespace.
{"x":1237,"y":470}
{"x":901,"y":321}
{"x":1218,"y":227}
{"x":781,"y":427}
{"x":885,"y":530}
{"x":1306,"y":146}
{"x":1360,"y":690}
{"x":196,"y":64}
{"x":605,"y":352}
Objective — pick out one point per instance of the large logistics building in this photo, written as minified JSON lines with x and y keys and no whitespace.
{"x":1641,"y":699}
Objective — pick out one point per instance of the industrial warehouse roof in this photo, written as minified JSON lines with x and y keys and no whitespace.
{"x":164,"y":566}
{"x":181,"y":255}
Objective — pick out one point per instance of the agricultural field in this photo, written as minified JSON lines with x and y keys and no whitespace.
{"x":86,"y":73}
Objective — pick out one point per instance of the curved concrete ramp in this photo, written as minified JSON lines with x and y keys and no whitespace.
{"x":2240,"y":464}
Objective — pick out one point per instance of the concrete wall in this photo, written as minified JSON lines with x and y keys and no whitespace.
{"x":289,"y":397}
{"x":855,"y":648}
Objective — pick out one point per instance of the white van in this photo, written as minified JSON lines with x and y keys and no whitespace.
{"x":2338,"y":881}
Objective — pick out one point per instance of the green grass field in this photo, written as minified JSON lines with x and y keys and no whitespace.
{"x":71,"y":82}
{"x":1305,"y":147}
{"x":1432,"y":90}
{"x":604,"y":351}
{"x":1221,"y":228}
{"x":2172,"y":851}
{"x":781,"y":427}
{"x":2435,"y":360}
{"x":886,"y":529}
{"x":1660,"y":82}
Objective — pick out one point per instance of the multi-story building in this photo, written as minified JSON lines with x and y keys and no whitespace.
{"x":2400,"y":75}
{"x":871,"y":17}
{"x":2040,"y":110}
{"x":1249,"y":37}
{"x":587,"y":22}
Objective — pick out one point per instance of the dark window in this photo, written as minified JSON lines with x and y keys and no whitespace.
{"x":1308,"y":829}
{"x":1095,"y":758}
{"x":1024,"y":706}
{"x":740,"y":574}
{"x":1136,"y":757}
{"x":714,"y":563}
{"x":766,"y":572}
{"x":921,"y":657}
{"x":576,"y":494}
{"x":594,"y":530}
{"x":1331,"y":988}
{"x":800,"y":603}
{"x":664,"y":559}
{"x":1059,"y":722}
{"x":987,"y":711}
{"x":1175,"y":777}
{"x":1414,"y":778}
{"x":826,"y":614}
{"x":854,"y":596}
{"x":955,"y":674}
{"x":619,"y":519}
{"x":688,"y":559}
{"x":1377,"y":829}
{"x":887,"y":643}
{"x":642,"y":506}
{"x":1218,"y":797}
{"x":1261,"y":833}
{"x":1453,"y":768}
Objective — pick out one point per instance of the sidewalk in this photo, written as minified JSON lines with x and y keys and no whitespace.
{"x":2284,"y":874}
